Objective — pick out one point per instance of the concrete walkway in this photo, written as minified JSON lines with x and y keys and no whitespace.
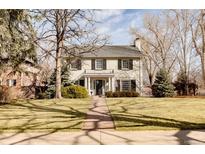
{"x":98,"y":116}
{"x":107,"y":137}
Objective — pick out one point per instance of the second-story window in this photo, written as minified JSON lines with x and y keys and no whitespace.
{"x":99,"y":64}
{"x":125,"y":64}
{"x":76,"y":64}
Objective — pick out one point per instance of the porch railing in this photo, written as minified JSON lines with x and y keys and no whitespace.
{"x":110,"y":71}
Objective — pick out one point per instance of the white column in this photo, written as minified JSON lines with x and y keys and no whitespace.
{"x":86,"y":83}
{"x":141,"y":77}
{"x":89,"y":85}
{"x":113,"y":84}
{"x":109,"y":83}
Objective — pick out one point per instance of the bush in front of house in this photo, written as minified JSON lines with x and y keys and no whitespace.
{"x":109,"y":94}
{"x":162,"y":86}
{"x":74,"y":91}
{"x":121,"y":94}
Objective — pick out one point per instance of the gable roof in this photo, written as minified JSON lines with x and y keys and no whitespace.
{"x":115,"y":51}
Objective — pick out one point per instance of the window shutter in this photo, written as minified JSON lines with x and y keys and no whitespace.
{"x":119,"y":64}
{"x":79,"y":64}
{"x":93,"y":64}
{"x":131,"y":64}
{"x":133,"y":85}
{"x":104,"y":64}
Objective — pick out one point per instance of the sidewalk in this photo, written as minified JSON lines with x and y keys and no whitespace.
{"x":98,"y":116}
{"x":104,"y":137}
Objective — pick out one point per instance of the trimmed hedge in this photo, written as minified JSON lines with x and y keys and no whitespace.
{"x":74,"y":91}
{"x":121,"y":94}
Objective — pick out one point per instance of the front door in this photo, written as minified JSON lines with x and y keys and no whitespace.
{"x":99,"y":87}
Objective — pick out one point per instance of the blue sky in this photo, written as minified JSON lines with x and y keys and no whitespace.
{"x":116,"y":23}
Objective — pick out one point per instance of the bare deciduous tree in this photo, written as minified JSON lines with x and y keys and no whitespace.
{"x":158,"y":35}
{"x":198,"y":37}
{"x":66,"y":34}
{"x":183,"y":42}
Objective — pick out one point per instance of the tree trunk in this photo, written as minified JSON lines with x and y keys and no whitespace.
{"x":58,"y":55}
{"x":203,"y":68}
{"x":151,"y":79}
{"x":58,"y":74}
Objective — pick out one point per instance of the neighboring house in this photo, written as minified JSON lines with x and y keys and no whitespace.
{"x":23,"y":83}
{"x":111,"y":68}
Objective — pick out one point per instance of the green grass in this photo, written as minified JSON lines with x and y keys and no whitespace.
{"x":43,"y":115}
{"x":157,"y":113}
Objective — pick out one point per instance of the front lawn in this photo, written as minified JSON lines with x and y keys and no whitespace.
{"x":157,"y":113}
{"x":43,"y":115}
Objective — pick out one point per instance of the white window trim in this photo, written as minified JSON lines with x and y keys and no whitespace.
{"x":129,"y":85}
{"x":98,"y":68}
{"x":122,"y":66}
{"x":10,"y":82}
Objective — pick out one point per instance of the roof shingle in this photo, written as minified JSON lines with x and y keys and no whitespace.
{"x":115,"y":51}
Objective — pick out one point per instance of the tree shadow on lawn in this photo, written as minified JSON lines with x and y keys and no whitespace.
{"x":144,"y":120}
{"x":70,"y":114}
{"x":139,"y":120}
{"x":182,"y":134}
{"x":69,"y":119}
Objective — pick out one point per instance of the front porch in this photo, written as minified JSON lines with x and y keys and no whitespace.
{"x":97,"y":82}
{"x":99,"y":85}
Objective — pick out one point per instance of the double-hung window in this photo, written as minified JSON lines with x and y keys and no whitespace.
{"x":128,"y":85}
{"x":125,"y":85}
{"x":125,"y":64}
{"x":99,"y":64}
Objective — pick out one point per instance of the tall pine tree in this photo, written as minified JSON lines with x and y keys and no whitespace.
{"x":162,"y":86}
{"x":16,"y":38}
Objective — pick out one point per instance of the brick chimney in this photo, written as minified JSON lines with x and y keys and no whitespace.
{"x":137,"y":43}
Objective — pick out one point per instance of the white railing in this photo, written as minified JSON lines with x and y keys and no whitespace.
{"x":99,"y":71}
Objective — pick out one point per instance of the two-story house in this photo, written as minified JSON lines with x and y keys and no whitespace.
{"x":111,"y":68}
